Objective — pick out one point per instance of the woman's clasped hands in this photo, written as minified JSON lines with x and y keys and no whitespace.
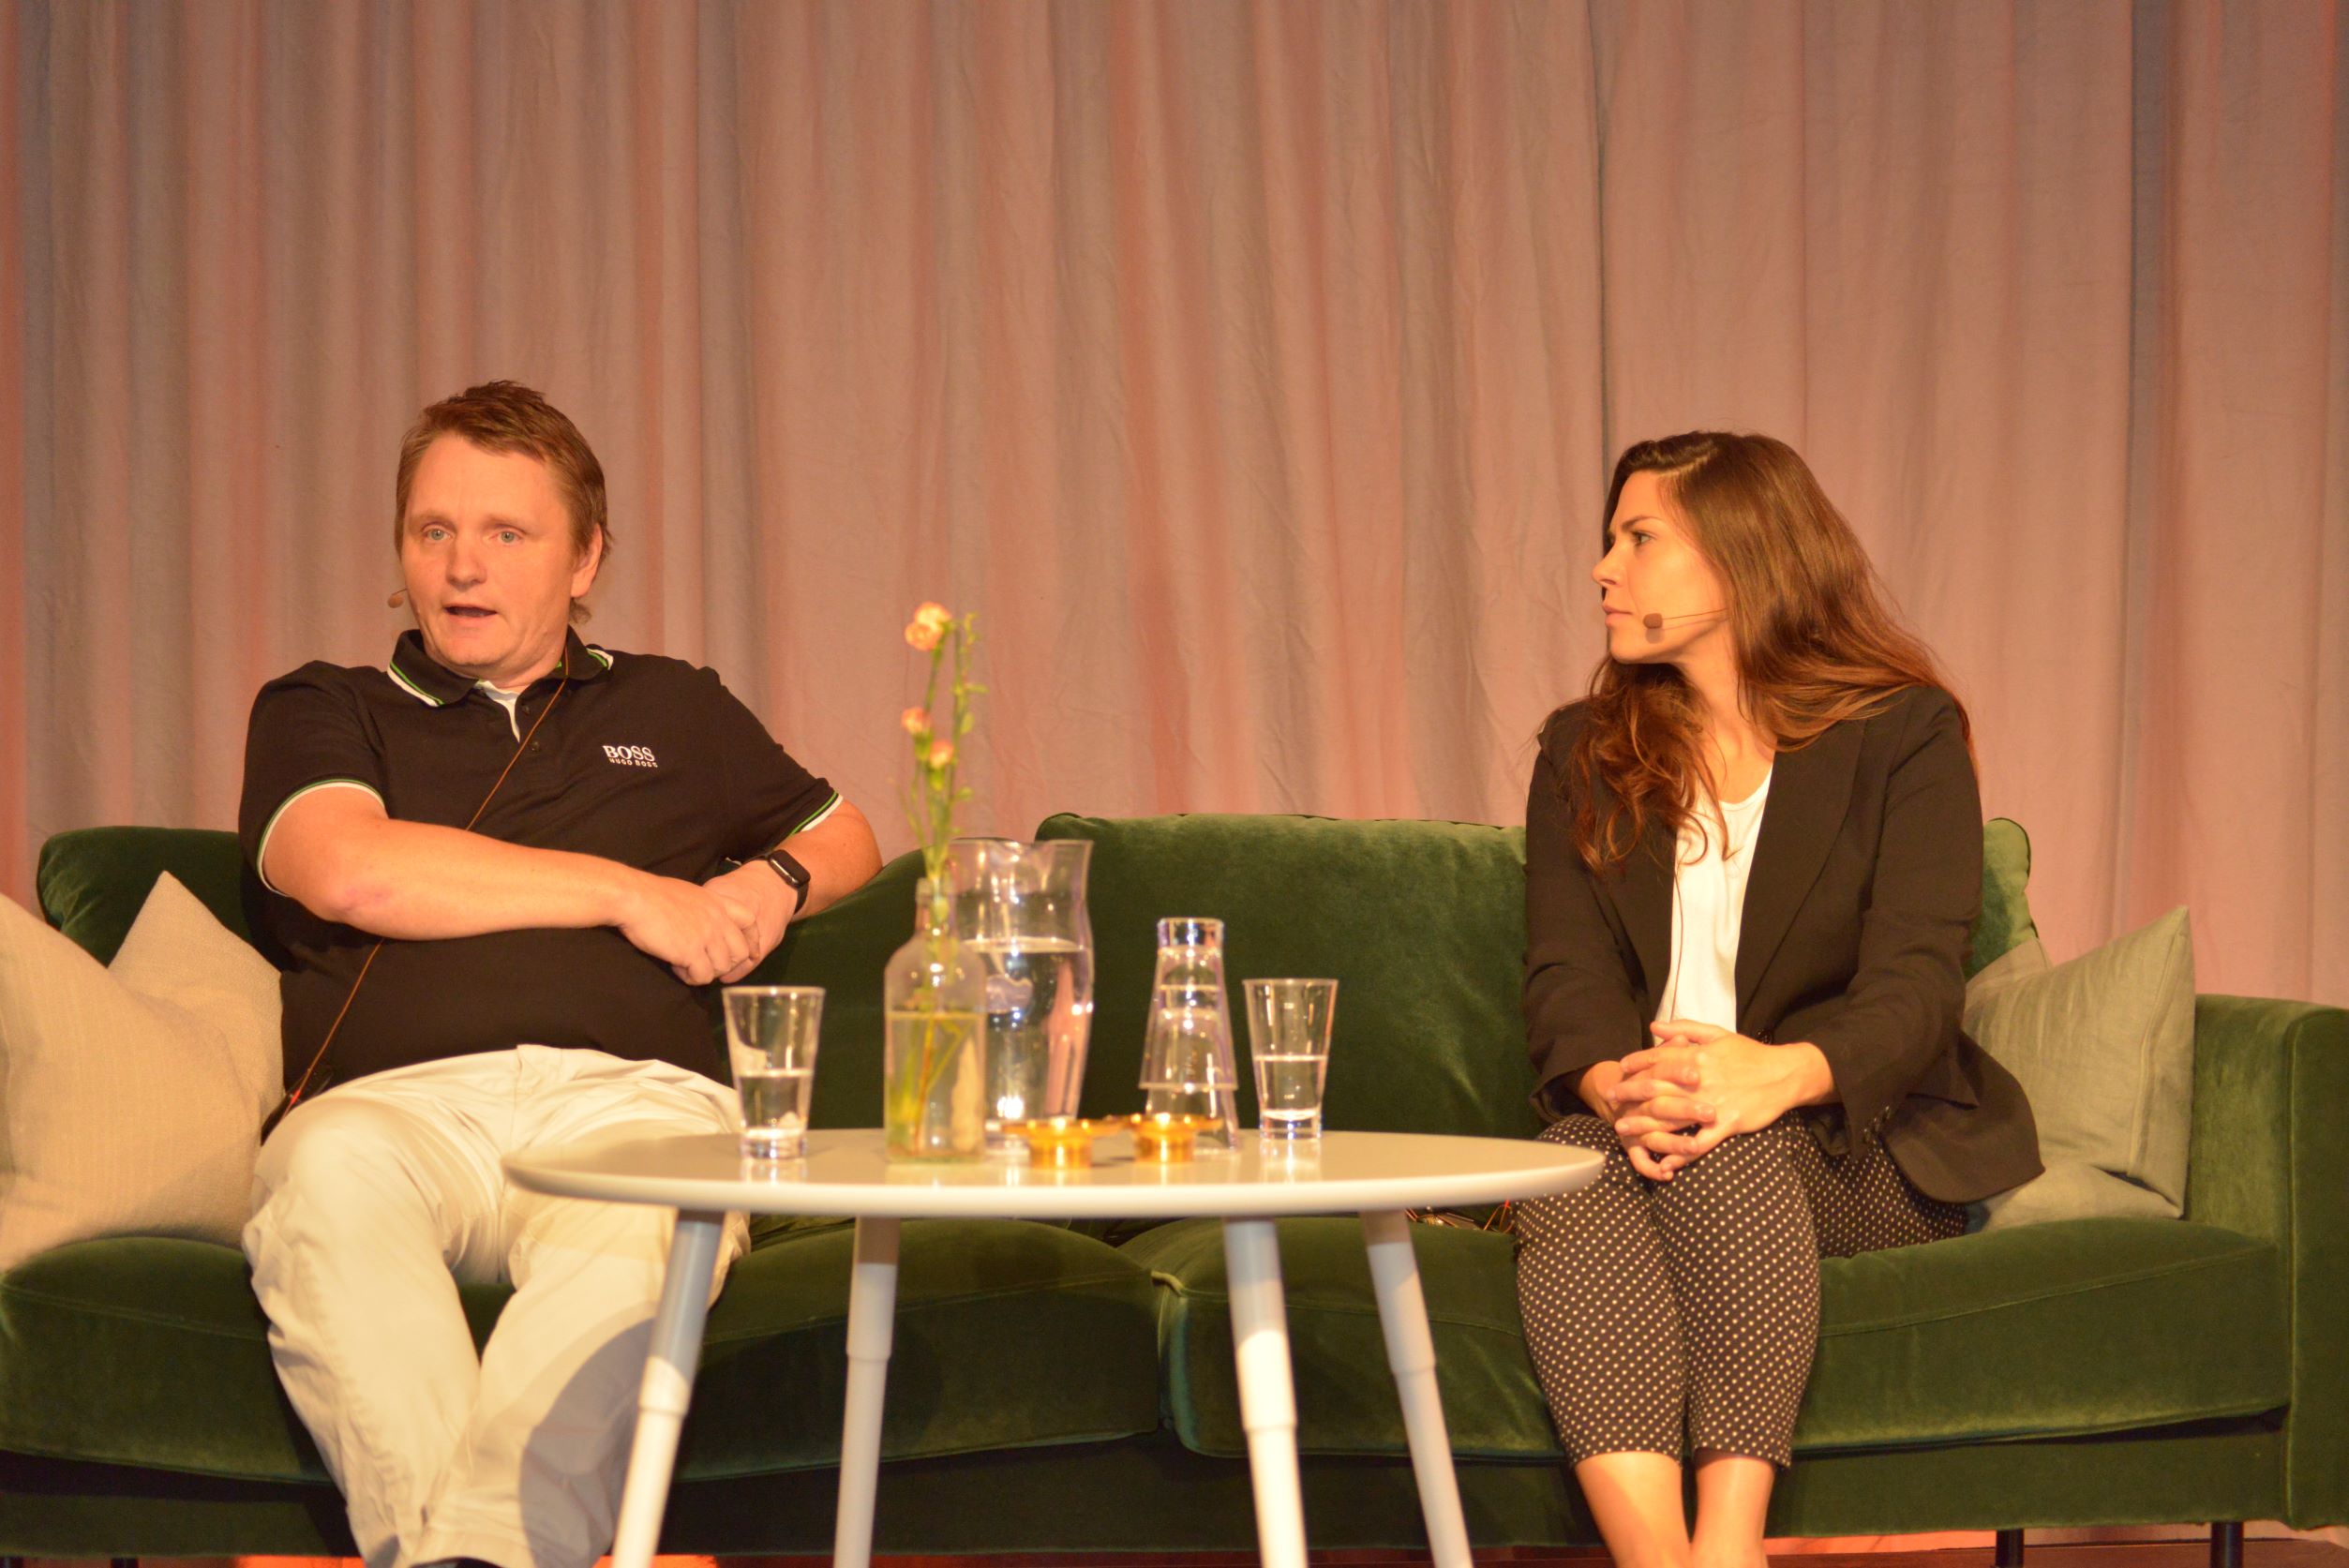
{"x":1697,"y":1085}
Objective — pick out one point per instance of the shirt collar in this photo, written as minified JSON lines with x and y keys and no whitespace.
{"x":417,"y":673}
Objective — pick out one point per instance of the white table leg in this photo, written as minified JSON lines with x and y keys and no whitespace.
{"x":871,"y":1315}
{"x":1268,"y":1406}
{"x":668,"y":1385}
{"x":1410,"y":1352}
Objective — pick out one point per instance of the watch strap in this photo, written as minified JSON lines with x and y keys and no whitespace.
{"x":787,"y":867}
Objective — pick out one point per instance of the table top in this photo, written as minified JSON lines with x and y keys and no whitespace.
{"x":847,"y":1173}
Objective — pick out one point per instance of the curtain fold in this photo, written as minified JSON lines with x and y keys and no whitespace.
{"x":1253,"y":369}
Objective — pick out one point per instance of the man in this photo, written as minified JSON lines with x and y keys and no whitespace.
{"x":496,"y":865}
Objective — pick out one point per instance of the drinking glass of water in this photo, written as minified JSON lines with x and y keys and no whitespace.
{"x":1287,"y":1040}
{"x":771,"y":1036}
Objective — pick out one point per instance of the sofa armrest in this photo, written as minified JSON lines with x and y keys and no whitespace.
{"x":2270,"y":1158}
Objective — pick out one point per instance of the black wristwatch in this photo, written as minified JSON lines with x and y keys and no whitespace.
{"x":788,"y":868}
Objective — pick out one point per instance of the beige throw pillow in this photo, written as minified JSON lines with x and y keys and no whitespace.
{"x":2104,"y":1047}
{"x":132,"y":1097}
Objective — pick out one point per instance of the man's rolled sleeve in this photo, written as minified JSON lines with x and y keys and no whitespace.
{"x":306,"y":735}
{"x":1907,"y":995}
{"x":774,"y":796}
{"x":1579,"y":1009}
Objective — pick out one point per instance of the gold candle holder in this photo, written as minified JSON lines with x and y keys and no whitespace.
{"x":1059,"y":1142}
{"x":1165,"y":1137}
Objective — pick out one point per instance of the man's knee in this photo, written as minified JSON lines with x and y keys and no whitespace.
{"x":349,"y":1160}
{"x":329,"y":1136}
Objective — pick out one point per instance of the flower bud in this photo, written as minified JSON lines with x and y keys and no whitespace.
{"x":929,"y":624}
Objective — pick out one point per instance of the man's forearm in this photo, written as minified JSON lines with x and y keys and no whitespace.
{"x":415,"y":881}
{"x":839,"y":856}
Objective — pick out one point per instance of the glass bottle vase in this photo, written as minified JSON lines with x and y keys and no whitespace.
{"x":934,"y":1068}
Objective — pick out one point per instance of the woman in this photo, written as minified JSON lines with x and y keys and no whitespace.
{"x":1753,"y":853}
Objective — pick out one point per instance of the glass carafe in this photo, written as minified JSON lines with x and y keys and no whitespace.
{"x":1020,"y":910}
{"x":1187,"y":1052}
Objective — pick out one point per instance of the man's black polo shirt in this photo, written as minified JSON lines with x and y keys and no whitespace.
{"x":648,"y":761}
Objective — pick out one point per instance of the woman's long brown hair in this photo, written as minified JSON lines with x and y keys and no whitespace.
{"x":1814,"y":640}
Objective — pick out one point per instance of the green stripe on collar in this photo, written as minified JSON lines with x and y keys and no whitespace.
{"x":413,"y":690}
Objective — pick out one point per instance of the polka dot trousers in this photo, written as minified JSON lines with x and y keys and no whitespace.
{"x":1681,"y":1317}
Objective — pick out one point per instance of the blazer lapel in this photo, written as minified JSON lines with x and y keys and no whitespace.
{"x":1810,"y":790}
{"x":1642,"y":892}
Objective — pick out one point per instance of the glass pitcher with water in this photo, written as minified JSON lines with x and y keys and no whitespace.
{"x":1187,"y":1053}
{"x":1020,"y":908}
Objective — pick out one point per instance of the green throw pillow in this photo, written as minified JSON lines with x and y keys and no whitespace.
{"x":2104,"y":1047}
{"x":2005,"y":921}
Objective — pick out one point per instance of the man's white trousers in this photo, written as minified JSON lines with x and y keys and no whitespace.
{"x":372,"y":1201}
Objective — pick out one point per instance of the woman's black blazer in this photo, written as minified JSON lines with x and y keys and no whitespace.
{"x":1865,"y":880}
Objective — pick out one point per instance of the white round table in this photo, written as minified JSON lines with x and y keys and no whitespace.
{"x":1375,"y":1175}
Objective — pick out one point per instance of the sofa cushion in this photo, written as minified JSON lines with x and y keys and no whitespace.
{"x":131,"y":1095}
{"x":2105,"y":1047}
{"x":93,"y":881}
{"x":153,"y":1352}
{"x":2046,"y":1331}
{"x":2041,"y":1332}
{"x":1421,"y":922}
{"x":1008,"y":1334}
{"x":2067,"y":1188}
{"x":1345,"y":1394}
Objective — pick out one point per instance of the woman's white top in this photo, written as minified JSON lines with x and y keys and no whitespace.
{"x":1708,"y":904}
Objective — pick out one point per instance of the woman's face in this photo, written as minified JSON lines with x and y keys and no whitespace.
{"x":1652,"y":567}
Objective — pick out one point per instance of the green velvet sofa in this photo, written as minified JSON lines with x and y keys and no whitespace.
{"x":1072,"y":1387}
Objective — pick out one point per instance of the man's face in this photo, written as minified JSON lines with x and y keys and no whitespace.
{"x":485,"y":549}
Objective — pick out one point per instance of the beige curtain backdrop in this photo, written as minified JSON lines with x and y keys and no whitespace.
{"x":1253,"y":370}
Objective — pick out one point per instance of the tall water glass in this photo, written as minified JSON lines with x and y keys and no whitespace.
{"x":1186,"y":1049}
{"x":771,"y":1037}
{"x":1288,"y":1044}
{"x":1020,"y":907}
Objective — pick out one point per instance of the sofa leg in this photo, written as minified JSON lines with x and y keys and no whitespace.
{"x":123,"y":1563}
{"x":2010,"y":1549}
{"x":2227,"y":1544}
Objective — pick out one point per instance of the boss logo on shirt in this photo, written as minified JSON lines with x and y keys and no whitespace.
{"x":630,"y":756}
